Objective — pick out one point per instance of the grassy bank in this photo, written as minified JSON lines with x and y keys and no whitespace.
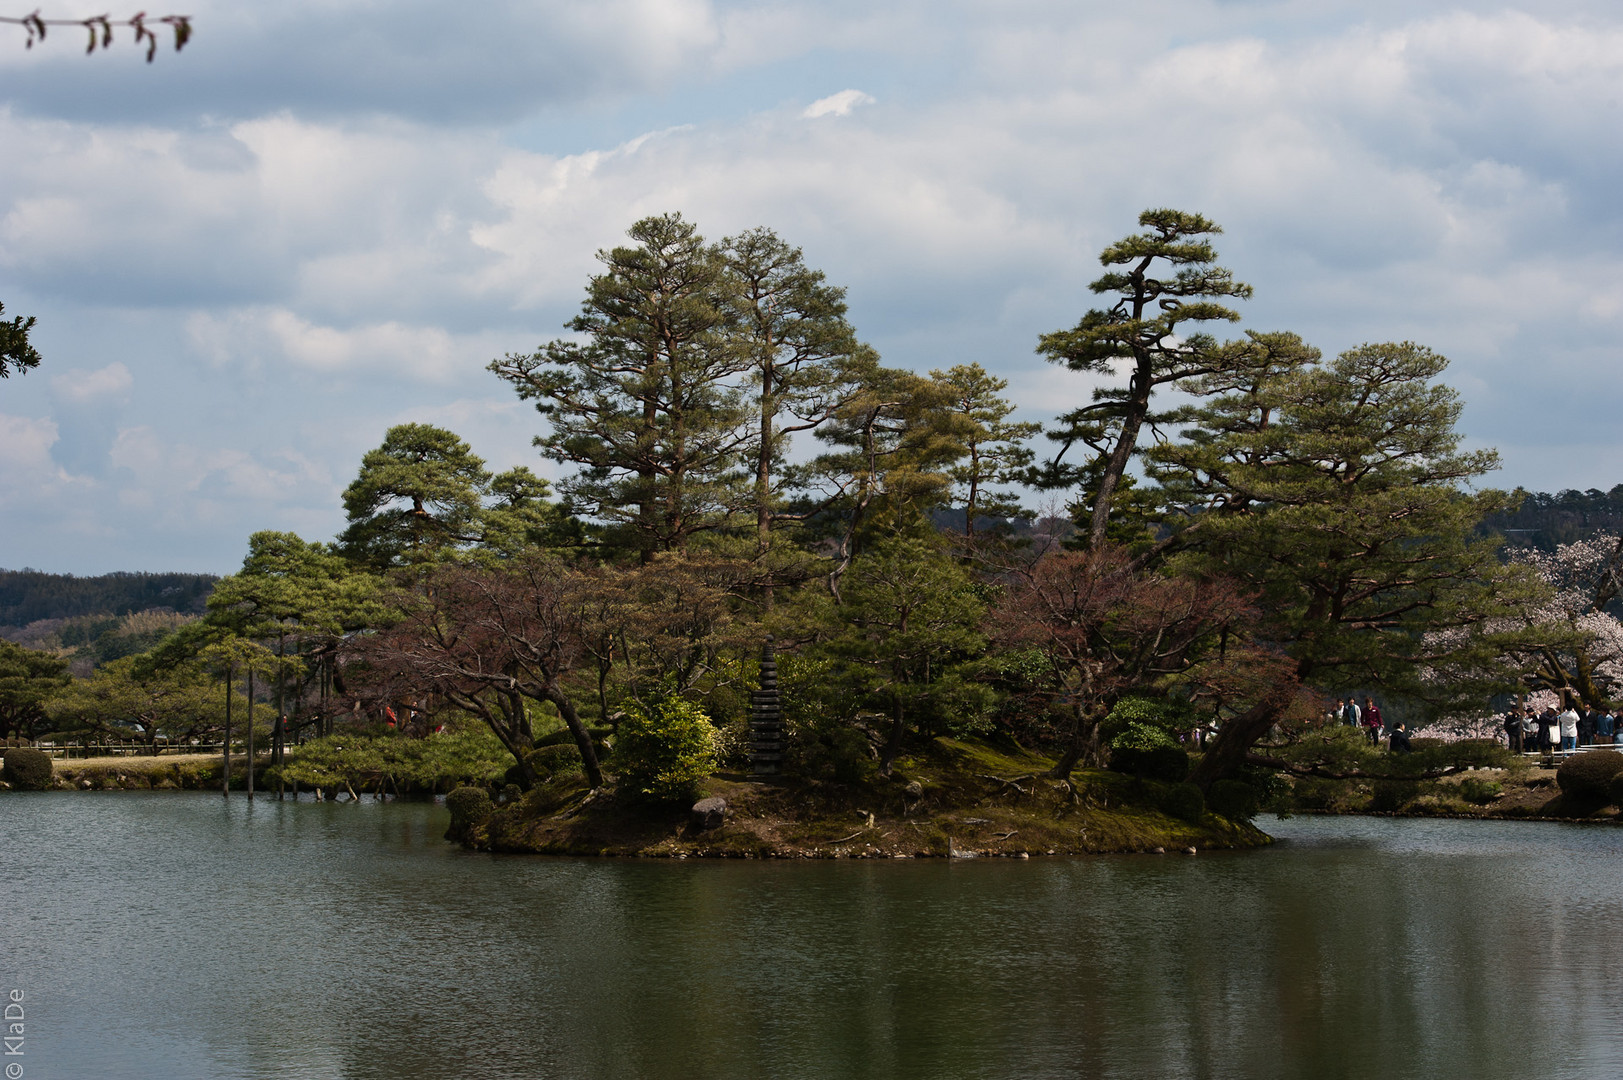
{"x":1526,"y":793}
{"x":188,"y":772}
{"x":954,"y":798}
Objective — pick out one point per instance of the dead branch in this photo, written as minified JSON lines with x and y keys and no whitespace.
{"x":1011,"y":782}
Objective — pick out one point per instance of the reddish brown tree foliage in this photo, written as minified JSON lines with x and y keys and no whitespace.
{"x":1104,"y":628}
{"x":486,"y":641}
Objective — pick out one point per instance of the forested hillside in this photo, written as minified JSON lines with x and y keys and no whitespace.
{"x":1546,"y":521}
{"x":28,"y":596}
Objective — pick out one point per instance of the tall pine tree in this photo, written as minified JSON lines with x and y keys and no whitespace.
{"x":648,"y":404}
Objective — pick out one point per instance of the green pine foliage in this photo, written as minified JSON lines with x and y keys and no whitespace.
{"x":16,"y":353}
{"x":465,"y":754}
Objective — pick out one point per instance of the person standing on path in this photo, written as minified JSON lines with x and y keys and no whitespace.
{"x":1349,"y":712}
{"x":1605,"y":725}
{"x":1569,"y":729}
{"x":1513,"y":730}
{"x":1372,"y":721}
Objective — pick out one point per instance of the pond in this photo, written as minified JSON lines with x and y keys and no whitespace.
{"x":178,"y":935}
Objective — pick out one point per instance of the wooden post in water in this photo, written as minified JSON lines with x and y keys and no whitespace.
{"x":278,"y":744}
{"x":279,"y":729}
{"x":250,"y":734}
{"x":225,"y":745}
{"x":766,"y":718}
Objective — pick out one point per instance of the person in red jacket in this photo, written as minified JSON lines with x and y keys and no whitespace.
{"x":1372,"y":721}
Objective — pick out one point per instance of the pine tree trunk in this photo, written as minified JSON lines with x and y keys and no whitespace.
{"x":1227,"y":753}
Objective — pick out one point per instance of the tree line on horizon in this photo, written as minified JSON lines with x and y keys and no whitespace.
{"x":1294,"y":527}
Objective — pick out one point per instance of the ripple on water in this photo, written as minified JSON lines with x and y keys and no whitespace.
{"x":181,"y":935}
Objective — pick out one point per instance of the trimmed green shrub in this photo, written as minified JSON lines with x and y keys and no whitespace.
{"x":560,"y":757}
{"x":1161,"y":715}
{"x":663,"y":752}
{"x":1140,"y":745}
{"x":1480,"y":792}
{"x":27,"y":769}
{"x":1234,"y":799}
{"x":470,"y":808}
{"x":1166,"y":763}
{"x":1586,"y":778}
{"x":1184,"y":801}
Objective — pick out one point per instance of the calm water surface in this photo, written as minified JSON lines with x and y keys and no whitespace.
{"x":172,"y":935}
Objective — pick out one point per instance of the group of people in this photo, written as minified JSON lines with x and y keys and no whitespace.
{"x":1369,"y":718}
{"x":1551,"y":731}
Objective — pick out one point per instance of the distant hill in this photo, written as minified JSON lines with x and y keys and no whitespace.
{"x":1546,"y":521}
{"x":28,"y":596}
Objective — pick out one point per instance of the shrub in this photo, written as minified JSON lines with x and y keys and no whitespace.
{"x":835,"y":752}
{"x":1160,"y":715}
{"x":1140,"y":746}
{"x":1480,"y":792}
{"x":1184,"y":801}
{"x":551,"y":760}
{"x":662,"y":752}
{"x":1235,"y":800}
{"x":27,"y":769}
{"x":1392,"y":795}
{"x":1313,"y":793}
{"x":1167,"y":763}
{"x":734,"y":747}
{"x":1586,"y":778}
{"x":470,"y":808}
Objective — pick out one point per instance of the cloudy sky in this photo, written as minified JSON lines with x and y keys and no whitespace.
{"x":326,"y":216}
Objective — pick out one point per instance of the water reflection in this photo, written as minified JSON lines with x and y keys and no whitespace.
{"x":172,"y":935}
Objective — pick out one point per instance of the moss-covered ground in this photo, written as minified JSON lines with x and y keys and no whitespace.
{"x":956,"y":798}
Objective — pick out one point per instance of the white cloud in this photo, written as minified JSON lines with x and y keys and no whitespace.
{"x":25,"y":447}
{"x":839,"y":104}
{"x":257,"y":337}
{"x":345,"y":256}
{"x":81,"y":386}
{"x":175,"y":480}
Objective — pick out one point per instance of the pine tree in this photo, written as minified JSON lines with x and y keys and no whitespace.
{"x":648,"y":403}
{"x":994,"y":450}
{"x":1150,"y":330}
{"x":416,"y":499}
{"x":1335,"y":493}
{"x":802,"y":353}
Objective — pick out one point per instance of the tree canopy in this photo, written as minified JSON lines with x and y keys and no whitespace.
{"x":1300,"y":527}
